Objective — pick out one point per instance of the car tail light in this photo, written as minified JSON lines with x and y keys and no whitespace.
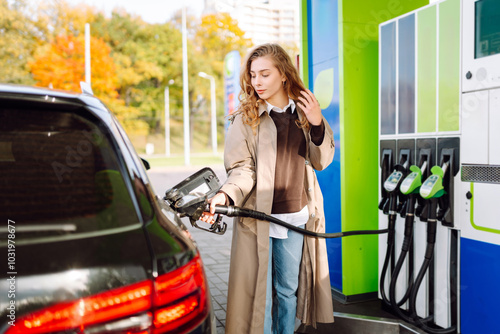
{"x":173,"y":301}
{"x":180,"y":297}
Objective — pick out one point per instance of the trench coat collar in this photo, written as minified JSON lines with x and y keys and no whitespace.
{"x":262,"y":108}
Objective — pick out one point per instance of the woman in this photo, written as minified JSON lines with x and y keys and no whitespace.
{"x":276,"y":139}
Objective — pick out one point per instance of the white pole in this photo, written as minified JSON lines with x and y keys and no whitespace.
{"x":185,"y":89}
{"x":213,"y":110}
{"x":167,"y":117}
{"x":214,"y":118}
{"x":167,"y":123}
{"x":87,"y":53}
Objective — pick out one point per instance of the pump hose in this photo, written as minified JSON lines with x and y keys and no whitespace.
{"x":234,"y":211}
{"x":397,"y":270}
{"x":394,"y":277}
{"x":388,"y":255}
{"x":408,"y":237}
{"x":429,"y":253}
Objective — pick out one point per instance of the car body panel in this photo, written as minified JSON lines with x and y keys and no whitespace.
{"x":55,"y":261}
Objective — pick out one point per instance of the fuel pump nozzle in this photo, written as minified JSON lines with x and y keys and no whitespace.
{"x":411,"y":184}
{"x":391,"y":186}
{"x":189,"y":197}
{"x":432,"y":190}
{"x":433,"y":186}
{"x":409,"y":187}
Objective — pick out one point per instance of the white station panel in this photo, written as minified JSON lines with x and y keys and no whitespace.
{"x":474,"y":143}
{"x":484,"y":214}
{"x":494,"y":130}
{"x":479,"y":217}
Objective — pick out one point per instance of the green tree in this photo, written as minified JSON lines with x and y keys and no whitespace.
{"x":147,"y":56}
{"x":18,"y":42}
{"x":216,"y":36}
{"x":59,"y":18}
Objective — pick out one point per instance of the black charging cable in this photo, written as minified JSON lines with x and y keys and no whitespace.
{"x":234,"y":211}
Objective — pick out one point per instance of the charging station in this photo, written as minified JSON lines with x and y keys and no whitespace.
{"x":439,"y":110}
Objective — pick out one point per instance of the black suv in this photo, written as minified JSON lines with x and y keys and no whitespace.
{"x":86,"y":246}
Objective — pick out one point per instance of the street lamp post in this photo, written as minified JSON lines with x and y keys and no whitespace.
{"x":167,"y":118}
{"x":213,"y":110}
{"x":185,"y":90}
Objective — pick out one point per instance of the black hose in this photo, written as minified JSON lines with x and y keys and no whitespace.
{"x":407,"y":241}
{"x":406,"y":248}
{"x":394,"y":277}
{"x":388,"y":256}
{"x":408,"y":238}
{"x":234,"y":211}
{"x":429,"y":253}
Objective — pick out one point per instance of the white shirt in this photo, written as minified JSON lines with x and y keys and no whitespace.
{"x":290,"y":104}
{"x":295,"y":218}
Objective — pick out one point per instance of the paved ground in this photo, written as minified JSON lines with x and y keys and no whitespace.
{"x":215,"y":249}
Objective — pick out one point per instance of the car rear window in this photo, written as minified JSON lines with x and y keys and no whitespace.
{"x":59,"y":174}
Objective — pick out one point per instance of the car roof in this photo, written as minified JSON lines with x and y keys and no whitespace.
{"x":46,"y":95}
{"x":30,"y":90}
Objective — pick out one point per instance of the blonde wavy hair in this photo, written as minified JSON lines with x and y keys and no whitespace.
{"x":249,"y":99}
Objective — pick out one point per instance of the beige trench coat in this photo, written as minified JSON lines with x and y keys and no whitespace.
{"x":250,"y":162}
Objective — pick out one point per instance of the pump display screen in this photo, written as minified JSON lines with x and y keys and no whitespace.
{"x":487,"y":28}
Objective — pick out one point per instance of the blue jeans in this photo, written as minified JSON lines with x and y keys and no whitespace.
{"x":283,"y":274}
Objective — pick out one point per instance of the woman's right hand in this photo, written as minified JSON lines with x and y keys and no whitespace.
{"x":219,"y":199}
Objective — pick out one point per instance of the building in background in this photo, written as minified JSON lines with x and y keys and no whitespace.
{"x":263,"y":21}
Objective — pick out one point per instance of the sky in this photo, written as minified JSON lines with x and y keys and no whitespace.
{"x":151,"y":11}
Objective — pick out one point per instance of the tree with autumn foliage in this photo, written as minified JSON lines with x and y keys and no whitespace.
{"x":131,"y":61}
{"x":61,"y":65}
{"x":216,"y":36}
{"x":219,"y":34}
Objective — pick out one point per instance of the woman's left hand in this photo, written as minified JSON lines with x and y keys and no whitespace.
{"x":311,"y":107}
